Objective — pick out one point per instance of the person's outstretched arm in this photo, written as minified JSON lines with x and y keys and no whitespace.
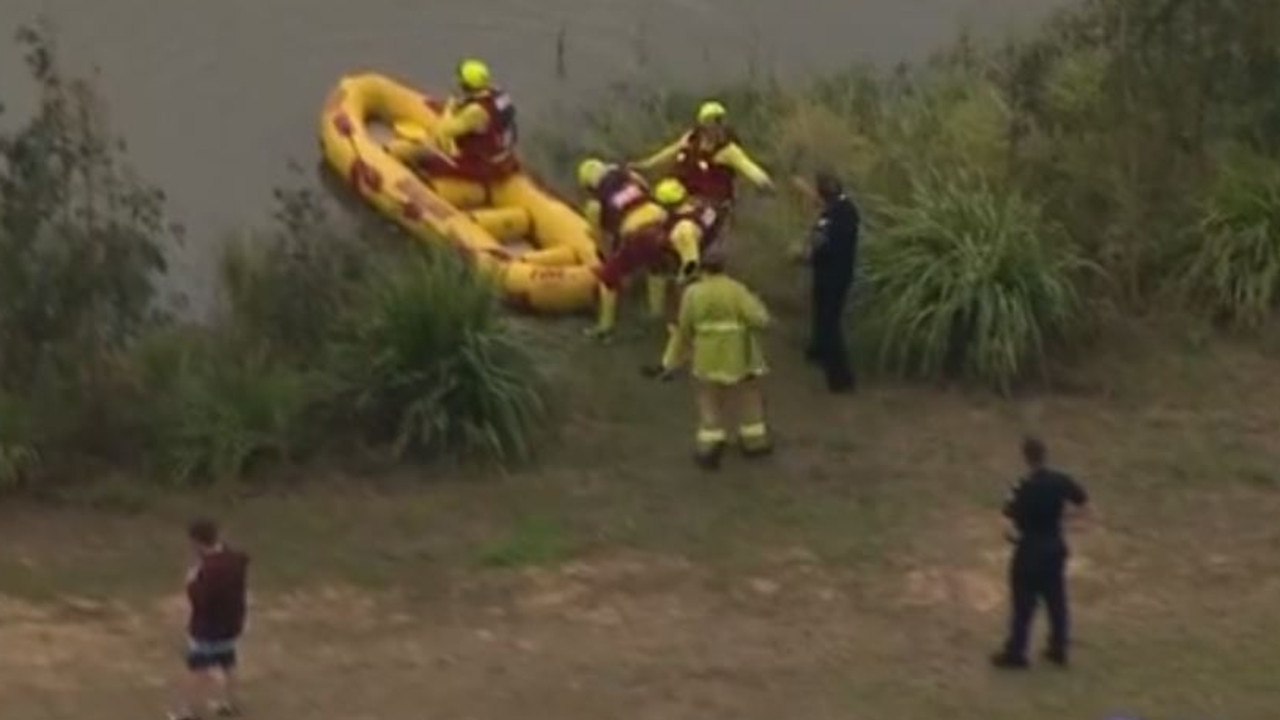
{"x":663,"y":157}
{"x":734,"y":156}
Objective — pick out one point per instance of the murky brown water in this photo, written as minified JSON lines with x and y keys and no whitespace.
{"x":215,"y":95}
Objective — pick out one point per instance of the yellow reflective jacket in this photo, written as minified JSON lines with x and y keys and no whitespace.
{"x":718,"y":326}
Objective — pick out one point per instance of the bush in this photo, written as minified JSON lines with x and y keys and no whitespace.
{"x":954,"y":118}
{"x":813,"y":135}
{"x":287,"y":289}
{"x":432,"y":365}
{"x":971,"y":282}
{"x":83,"y":240}
{"x":18,"y":456}
{"x":215,"y":408}
{"x":1233,"y":271}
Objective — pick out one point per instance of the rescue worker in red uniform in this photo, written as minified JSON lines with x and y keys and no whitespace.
{"x":707,"y":160}
{"x":693,"y":228}
{"x":622,"y":210}
{"x":476,"y":137}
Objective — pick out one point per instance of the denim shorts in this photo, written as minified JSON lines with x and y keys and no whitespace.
{"x":207,"y":654}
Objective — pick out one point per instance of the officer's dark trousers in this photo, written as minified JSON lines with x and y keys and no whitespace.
{"x":1038,"y":571}
{"x":827,"y":343}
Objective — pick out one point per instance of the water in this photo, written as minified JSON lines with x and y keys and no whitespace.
{"x":214,"y":96}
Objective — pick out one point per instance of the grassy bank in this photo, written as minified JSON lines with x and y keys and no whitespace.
{"x":859,"y":572}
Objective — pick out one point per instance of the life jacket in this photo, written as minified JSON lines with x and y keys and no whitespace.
{"x":619,"y":192}
{"x":708,"y":218}
{"x":697,"y":169}
{"x":489,"y":153}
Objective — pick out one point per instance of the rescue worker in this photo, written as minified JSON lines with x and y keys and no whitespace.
{"x":476,"y":137}
{"x":708,"y":159}
{"x":693,"y":228}
{"x":621,"y":208}
{"x":833,"y":254}
{"x":1035,"y":508}
{"x":719,"y":321}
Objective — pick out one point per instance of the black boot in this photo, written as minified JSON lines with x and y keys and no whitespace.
{"x":1057,"y":657}
{"x":1004,"y":661}
{"x":709,"y":459}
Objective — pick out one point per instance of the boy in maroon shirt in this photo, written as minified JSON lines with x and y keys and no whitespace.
{"x":216,"y":590}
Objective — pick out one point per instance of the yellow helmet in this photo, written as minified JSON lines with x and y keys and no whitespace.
{"x":670,"y":191}
{"x":589,"y":172}
{"x":711,"y":111}
{"x":473,"y":74}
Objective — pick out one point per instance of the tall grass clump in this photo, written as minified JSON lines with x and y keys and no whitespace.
{"x":288,"y":287}
{"x":18,"y":455}
{"x":967,"y":281}
{"x":432,"y":365}
{"x":952,"y":117}
{"x":1233,"y":271}
{"x":214,"y":408}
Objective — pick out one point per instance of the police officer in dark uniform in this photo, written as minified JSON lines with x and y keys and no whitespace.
{"x":833,"y":255}
{"x":1035,"y":508}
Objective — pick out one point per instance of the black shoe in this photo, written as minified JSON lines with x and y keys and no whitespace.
{"x":1057,"y":657}
{"x":843,"y":386}
{"x":1005,"y":661}
{"x":758,"y":452}
{"x":710,"y":460}
{"x":659,"y":373}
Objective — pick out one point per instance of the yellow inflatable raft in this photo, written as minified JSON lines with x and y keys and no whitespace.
{"x":557,"y":275}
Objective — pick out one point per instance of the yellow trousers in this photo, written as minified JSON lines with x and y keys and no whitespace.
{"x":664,"y":303}
{"x":719,"y":405}
{"x":661,"y":294}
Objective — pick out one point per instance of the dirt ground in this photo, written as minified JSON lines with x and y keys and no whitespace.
{"x":858,"y":574}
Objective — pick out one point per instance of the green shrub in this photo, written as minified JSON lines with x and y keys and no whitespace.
{"x":945,"y":118}
{"x":1234,"y":266}
{"x":83,"y":240}
{"x":1075,"y":86}
{"x":813,"y":135}
{"x":433,"y":366}
{"x":965,"y":280}
{"x":18,"y":456}
{"x":217,"y":407}
{"x":288,"y":287}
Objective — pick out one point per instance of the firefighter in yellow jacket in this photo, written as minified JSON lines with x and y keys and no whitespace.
{"x":717,"y":331}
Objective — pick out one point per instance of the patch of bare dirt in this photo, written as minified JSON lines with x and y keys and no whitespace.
{"x":619,"y":626}
{"x":41,"y":646}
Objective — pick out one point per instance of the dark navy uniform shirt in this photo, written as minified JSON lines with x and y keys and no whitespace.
{"x":1036,"y":504}
{"x":835,"y":242}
